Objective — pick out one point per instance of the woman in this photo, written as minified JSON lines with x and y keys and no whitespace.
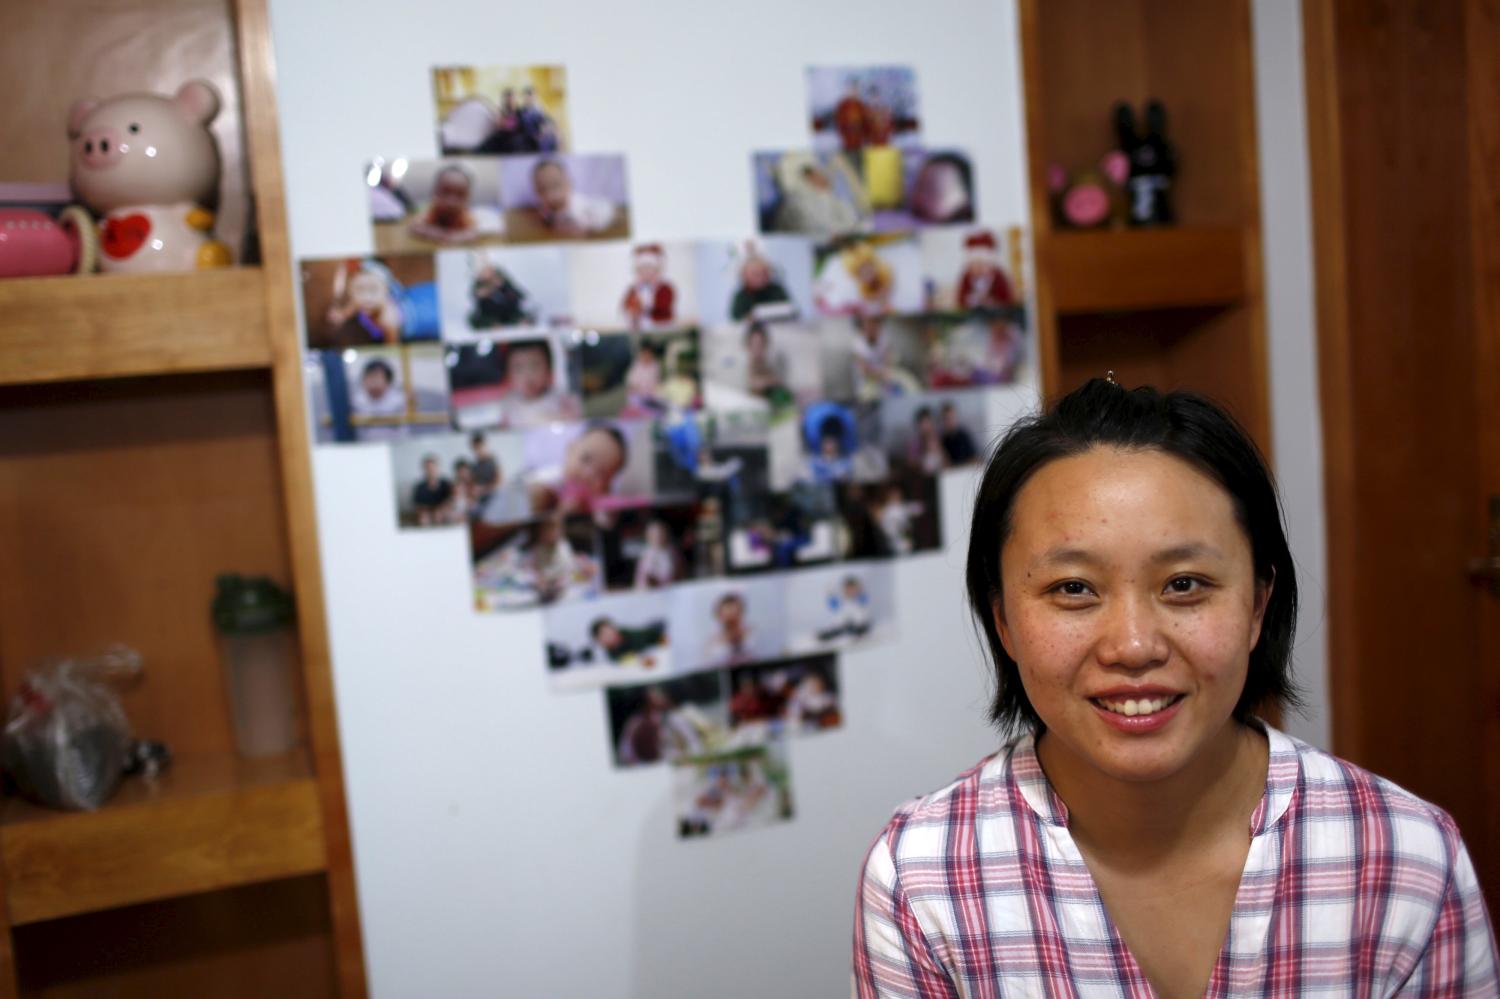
{"x":1143,"y":832}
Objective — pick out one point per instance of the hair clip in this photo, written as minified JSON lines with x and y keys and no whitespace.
{"x":1109,"y":376}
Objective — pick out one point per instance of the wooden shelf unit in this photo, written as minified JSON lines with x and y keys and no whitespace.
{"x":115,"y":325}
{"x":1179,"y":306}
{"x":153,"y":435}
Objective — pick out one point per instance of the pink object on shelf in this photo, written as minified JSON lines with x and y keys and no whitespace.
{"x":34,"y":244}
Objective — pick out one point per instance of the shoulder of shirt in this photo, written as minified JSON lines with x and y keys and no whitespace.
{"x":936,"y":808}
{"x":1331,"y":787}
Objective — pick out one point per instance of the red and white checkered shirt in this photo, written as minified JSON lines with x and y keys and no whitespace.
{"x":1353,"y":887}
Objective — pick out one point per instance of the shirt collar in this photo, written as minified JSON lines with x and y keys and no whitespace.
{"x":1282,"y":773}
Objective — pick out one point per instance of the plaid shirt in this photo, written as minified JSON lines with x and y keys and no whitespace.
{"x":1352,"y":887}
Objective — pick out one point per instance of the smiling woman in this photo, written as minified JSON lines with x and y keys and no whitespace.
{"x":1144,"y":832}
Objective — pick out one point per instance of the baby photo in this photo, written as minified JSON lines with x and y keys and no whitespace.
{"x":783,"y":530}
{"x":712,"y":454}
{"x":870,"y":358}
{"x":853,"y":603}
{"x":897,"y":517}
{"x":637,"y":375}
{"x":721,"y":623}
{"x":650,"y":548}
{"x":763,"y":365}
{"x":857,"y":107}
{"x":511,"y":383}
{"x":815,"y":194}
{"x":502,"y":291}
{"x":842,"y":443}
{"x":500,"y":110}
{"x":743,"y":788}
{"x":666,"y":721}
{"x":588,"y":467}
{"x":370,"y":301}
{"x":868,"y":275}
{"x":972,"y":350}
{"x":430,"y":204}
{"x":533,"y":563}
{"x":435,"y":479}
{"x":934,"y":431}
{"x":611,"y":640}
{"x":634,"y":286}
{"x":923,"y":188}
{"x":564,"y":197}
{"x":972,"y":269}
{"x":785,"y":697}
{"x":378,"y":393}
{"x":766,"y":279}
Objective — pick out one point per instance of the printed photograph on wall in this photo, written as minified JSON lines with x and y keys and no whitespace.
{"x":892,"y":518}
{"x":420,"y":205}
{"x":369,"y":301}
{"x":634,"y":286}
{"x":785,"y":697}
{"x":931,"y":432}
{"x":925,"y":188}
{"x":771,"y":366}
{"x":815,"y":194}
{"x":720,"y":623}
{"x":564,"y":197}
{"x":787,"y":529}
{"x":971,"y":269}
{"x":533,"y":563}
{"x":666,"y":721}
{"x":840,"y":606}
{"x":438,"y":476}
{"x":513,"y":384}
{"x":500,"y":110}
{"x":767,"y":279}
{"x":868,"y":275}
{"x":653,"y":547}
{"x":637,"y":375}
{"x":852,"y":108}
{"x":612,"y":640}
{"x":588,"y":467}
{"x":502,"y":291}
{"x":378,"y":393}
{"x":736,"y":789}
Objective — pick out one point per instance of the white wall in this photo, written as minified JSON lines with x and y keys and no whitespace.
{"x":496,"y":851}
{"x":1296,"y":425}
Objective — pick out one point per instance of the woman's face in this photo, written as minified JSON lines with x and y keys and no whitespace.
{"x":1130,"y":606}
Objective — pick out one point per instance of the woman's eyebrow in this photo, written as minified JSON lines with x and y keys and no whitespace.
{"x":1062,"y":554}
{"x":1187,"y":551}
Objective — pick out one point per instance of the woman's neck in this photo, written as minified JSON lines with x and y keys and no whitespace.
{"x":1149,"y":820}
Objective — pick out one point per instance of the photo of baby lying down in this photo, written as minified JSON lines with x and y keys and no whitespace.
{"x":729,"y":791}
{"x":612,"y":640}
{"x":430,"y":204}
{"x":564,"y":197}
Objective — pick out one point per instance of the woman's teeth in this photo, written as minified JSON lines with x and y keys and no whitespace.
{"x":1137,"y":706}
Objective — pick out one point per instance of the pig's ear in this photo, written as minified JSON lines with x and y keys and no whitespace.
{"x":77,"y":113}
{"x":198,"y":100}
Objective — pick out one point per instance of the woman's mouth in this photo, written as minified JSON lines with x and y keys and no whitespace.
{"x":1132,"y":707}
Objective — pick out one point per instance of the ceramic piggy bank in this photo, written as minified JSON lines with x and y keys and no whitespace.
{"x":147,"y":165}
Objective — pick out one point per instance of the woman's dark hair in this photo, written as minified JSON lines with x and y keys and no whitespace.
{"x":1183,"y":425}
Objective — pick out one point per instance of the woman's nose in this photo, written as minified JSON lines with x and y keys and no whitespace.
{"x":1132,"y":637}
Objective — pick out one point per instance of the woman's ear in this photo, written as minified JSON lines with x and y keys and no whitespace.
{"x":1263,"y":590}
{"x":997,"y":611}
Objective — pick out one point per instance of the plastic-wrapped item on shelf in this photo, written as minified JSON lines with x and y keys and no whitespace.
{"x":66,"y":738}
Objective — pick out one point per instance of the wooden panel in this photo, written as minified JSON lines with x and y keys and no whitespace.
{"x":1111,"y":270}
{"x":1389,"y":121}
{"x":104,"y":326}
{"x":258,"y":69}
{"x":119,"y":503}
{"x":209,"y":822}
{"x":269,"y":939}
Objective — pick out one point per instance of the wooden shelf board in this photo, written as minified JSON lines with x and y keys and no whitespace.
{"x":1113,"y":270}
{"x":116,"y":325}
{"x":209,"y":822}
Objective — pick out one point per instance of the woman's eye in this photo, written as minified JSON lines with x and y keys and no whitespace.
{"x":1184,"y":585}
{"x":1072,"y":588}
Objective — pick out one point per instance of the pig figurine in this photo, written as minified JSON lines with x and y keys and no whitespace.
{"x":147,"y":164}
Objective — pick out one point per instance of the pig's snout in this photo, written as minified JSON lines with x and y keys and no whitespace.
{"x":100,"y":148}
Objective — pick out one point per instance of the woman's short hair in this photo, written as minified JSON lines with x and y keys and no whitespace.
{"x":1182,"y":424}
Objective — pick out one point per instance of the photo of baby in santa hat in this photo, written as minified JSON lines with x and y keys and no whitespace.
{"x":650,"y":302}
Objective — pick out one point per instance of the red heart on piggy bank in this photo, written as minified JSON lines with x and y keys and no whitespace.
{"x":123,"y":236}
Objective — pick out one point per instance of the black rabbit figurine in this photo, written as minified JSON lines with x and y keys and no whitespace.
{"x":1153,"y":164}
